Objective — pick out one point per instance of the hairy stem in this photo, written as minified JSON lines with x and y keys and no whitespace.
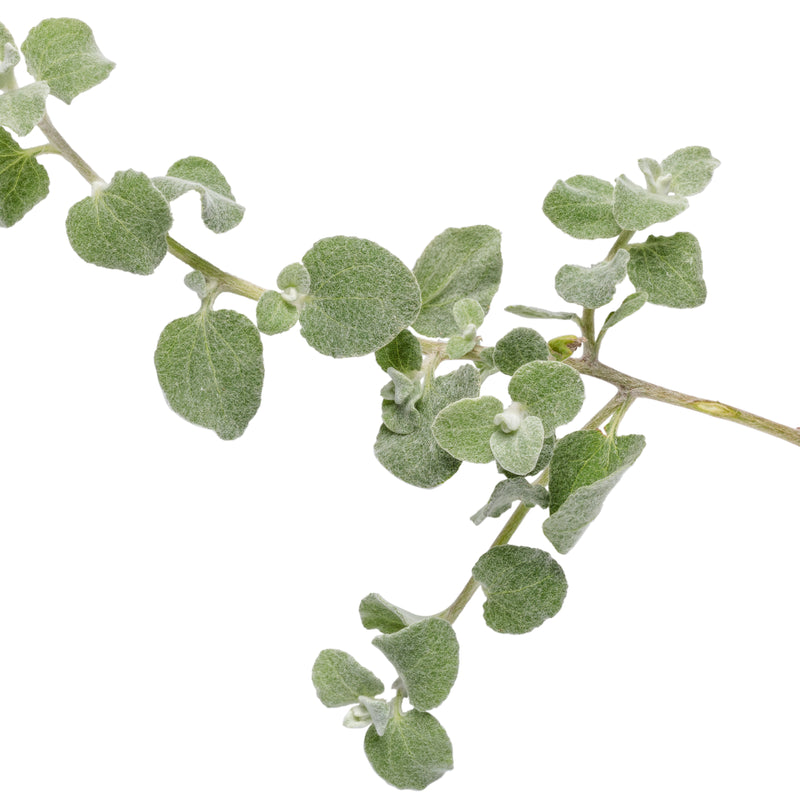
{"x":62,"y":146}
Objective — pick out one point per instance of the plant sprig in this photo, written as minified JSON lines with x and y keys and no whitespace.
{"x":351,"y":297}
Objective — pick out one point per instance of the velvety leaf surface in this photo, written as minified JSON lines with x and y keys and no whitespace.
{"x":592,"y":287}
{"x":691,"y":169}
{"x":23,"y":181}
{"x":550,"y":390}
{"x":274,"y":314}
{"x":403,"y":353}
{"x":22,"y":109}
{"x":582,"y":206}
{"x":518,"y":347}
{"x":531,"y":312}
{"x":339,"y":679}
{"x":387,"y":618}
{"x":518,"y":451}
{"x":463,"y":428}
{"x":508,"y":492}
{"x":630,"y":305}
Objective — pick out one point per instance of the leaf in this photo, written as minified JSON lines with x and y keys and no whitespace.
{"x":274,"y":314}
{"x":691,"y":169}
{"x":594,"y":286}
{"x":339,"y":679}
{"x":295,"y":276}
{"x":122,"y":225}
{"x":425,"y":655}
{"x":463,"y":428}
{"x":636,"y":208}
{"x":378,"y":613}
{"x":585,"y":467}
{"x":415,"y":457}
{"x":468,"y":313}
{"x":378,"y":711}
{"x":23,"y":181}
{"x":582,"y":206}
{"x":531,"y":312}
{"x":550,"y":390}
{"x":413,"y":752}
{"x":459,"y":263}
{"x":211,"y":368}
{"x":22,"y":109}
{"x":63,"y":53}
{"x":403,"y":353}
{"x":510,"y":491}
{"x":630,"y":305}
{"x":219,"y":210}
{"x":361,"y":297}
{"x":519,"y":346}
{"x":524,"y":587}
{"x":670,"y":270}
{"x":9,"y":58}
{"x":518,"y":451}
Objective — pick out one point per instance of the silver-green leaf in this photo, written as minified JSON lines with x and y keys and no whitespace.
{"x":211,"y":368}
{"x":691,"y":169}
{"x":518,"y":451}
{"x":550,"y":390}
{"x":274,"y":314}
{"x":464,"y":428}
{"x":582,"y":206}
{"x":63,"y":53}
{"x":340,"y":680}
{"x":524,"y":587}
{"x":9,"y":58}
{"x":637,"y":208}
{"x":592,"y":287}
{"x":122,"y":225}
{"x":531,"y":312}
{"x":670,"y":270}
{"x":425,"y":655}
{"x":630,"y":305}
{"x":22,"y":109}
{"x":219,"y":210}
{"x":361,"y":297}
{"x":23,"y":181}
{"x":510,"y":491}
{"x":378,"y":613}
{"x":459,"y":263}
{"x":413,"y":751}
{"x":519,"y":346}
{"x":403,"y":353}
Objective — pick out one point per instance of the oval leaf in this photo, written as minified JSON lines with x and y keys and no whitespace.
{"x":22,"y":109}
{"x":274,"y":314}
{"x":550,"y":390}
{"x":23,"y":181}
{"x":378,"y":613}
{"x":519,"y":346}
{"x":211,"y":368}
{"x":582,"y":206}
{"x":518,"y":451}
{"x":340,"y":680}
{"x":691,"y":169}
{"x":523,"y":586}
{"x":636,"y":208}
{"x":592,"y":287}
{"x":464,"y":428}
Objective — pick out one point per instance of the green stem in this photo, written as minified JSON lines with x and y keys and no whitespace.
{"x":62,"y":146}
{"x":453,"y":611}
{"x":634,"y":387}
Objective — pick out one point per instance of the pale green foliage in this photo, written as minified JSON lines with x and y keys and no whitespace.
{"x":63,"y":53}
{"x":592,"y":287}
{"x":509,"y":491}
{"x":22,"y":109}
{"x":459,"y":263}
{"x":399,"y":409}
{"x":425,"y":655}
{"x":9,"y":58}
{"x":378,"y":613}
{"x":523,"y":587}
{"x":415,"y":457}
{"x":550,"y":390}
{"x":340,"y":680}
{"x":636,"y":208}
{"x":468,"y":315}
{"x":519,"y":346}
{"x":211,"y":369}
{"x":376,"y":712}
{"x":586,"y":466}
{"x":463,"y":428}
{"x":517,"y":451}
{"x":198,"y":283}
{"x":690,"y":168}
{"x":122,"y":225}
{"x":274,"y":314}
{"x":582,"y":206}
{"x":296,"y":277}
{"x":219,"y":210}
{"x":361,"y":297}
{"x":23,"y":181}
{"x":403,"y":353}
{"x":630,"y":305}
{"x":413,"y":752}
{"x":531,"y":312}
{"x":670,"y":270}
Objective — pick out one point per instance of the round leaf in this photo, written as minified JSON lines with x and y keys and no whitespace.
{"x":550,"y":390}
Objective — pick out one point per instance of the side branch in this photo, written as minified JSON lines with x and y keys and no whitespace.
{"x":639,"y":388}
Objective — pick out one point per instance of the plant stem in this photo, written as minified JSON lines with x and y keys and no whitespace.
{"x":62,"y":146}
{"x":634,"y":387}
{"x":452,"y":612}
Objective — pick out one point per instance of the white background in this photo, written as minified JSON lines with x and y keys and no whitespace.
{"x":163,"y":594}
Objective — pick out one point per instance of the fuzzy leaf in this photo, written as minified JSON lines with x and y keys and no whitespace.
{"x":218,"y":207}
{"x":425,"y":655}
{"x":523,"y":586}
{"x":586,"y":466}
{"x":531,"y":312}
{"x":550,"y":390}
{"x":459,"y":263}
{"x":123,"y":225}
{"x":413,"y":752}
{"x":340,"y":680}
{"x":403,"y":353}
{"x":518,"y":451}
{"x":23,"y":181}
{"x":387,"y":618}
{"x":592,"y":287}
{"x":415,"y":457}
{"x":361,"y":297}
{"x":670,"y":270}
{"x":210,"y":366}
{"x":464,"y":428}
{"x":9,"y":58}
{"x":636,"y":208}
{"x":295,"y":276}
{"x":510,"y":491}
{"x":22,"y":109}
{"x":519,"y":346}
{"x":691,"y":169}
{"x":274,"y":314}
{"x":582,"y":206}
{"x":630,"y":305}
{"x":63,"y":53}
